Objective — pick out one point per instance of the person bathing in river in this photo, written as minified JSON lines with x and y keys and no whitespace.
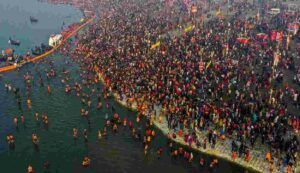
{"x":45,"y":120}
{"x":115,"y":128}
{"x":68,"y":89}
{"x":84,"y":113}
{"x":86,"y":162}
{"x":23,"y":120}
{"x":34,"y":139}
{"x":41,"y":81}
{"x":191,"y":157}
{"x":159,"y":152}
{"x":124,"y":122}
{"x":85,"y":135}
{"x":99,"y":105}
{"x":146,"y":149}
{"x":36,"y":116}
{"x":46,"y":165}
{"x":74,"y":134}
{"x":15,"y":121}
{"x":201,"y":162}
{"x":28,"y":103}
{"x":30,"y":169}
{"x":49,"y":89}
{"x":105,"y":132}
{"x":89,"y":102}
{"x":213,"y":163}
{"x":99,"y":135}
{"x":11,"y":141}
{"x":106,"y":105}
{"x":19,"y":103}
{"x":130,"y":124}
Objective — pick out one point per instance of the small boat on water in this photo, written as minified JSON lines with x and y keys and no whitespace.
{"x":33,"y":20}
{"x":38,"y":50}
{"x":14,"y":42}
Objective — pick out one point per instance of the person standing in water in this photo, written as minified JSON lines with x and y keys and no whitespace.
{"x":86,"y":162}
{"x":11,"y":141}
{"x":30,"y":169}
{"x":23,"y":120}
{"x":28,"y":104}
{"x":159,"y":152}
{"x":85,"y":135}
{"x":49,"y":90}
{"x":35,"y":140}
{"x":75,"y":135}
{"x":115,"y":128}
{"x":15,"y":121}
{"x":45,"y":121}
{"x":99,"y":135}
{"x":36,"y":118}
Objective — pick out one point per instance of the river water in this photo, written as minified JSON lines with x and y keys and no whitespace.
{"x":117,"y":154}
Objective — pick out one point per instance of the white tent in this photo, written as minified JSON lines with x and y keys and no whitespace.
{"x":54,"y":40}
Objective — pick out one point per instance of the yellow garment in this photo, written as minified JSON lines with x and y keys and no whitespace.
{"x":218,"y":13}
{"x":153,"y":46}
{"x":188,"y":28}
{"x":209,"y":63}
{"x":268,"y":156}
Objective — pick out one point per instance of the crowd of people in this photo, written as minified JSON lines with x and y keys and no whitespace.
{"x":205,"y":79}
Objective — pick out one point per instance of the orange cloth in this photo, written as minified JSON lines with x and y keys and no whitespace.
{"x":233,"y":156}
{"x":247,"y":158}
{"x":268,"y":156}
{"x":180,"y":133}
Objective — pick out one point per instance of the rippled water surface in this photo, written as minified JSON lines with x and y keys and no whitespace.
{"x":117,"y":154}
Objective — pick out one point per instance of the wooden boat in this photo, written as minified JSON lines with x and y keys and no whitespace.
{"x":33,"y":20}
{"x":36,"y":51}
{"x":14,"y":42}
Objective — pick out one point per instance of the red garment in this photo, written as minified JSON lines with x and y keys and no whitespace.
{"x":273,"y":35}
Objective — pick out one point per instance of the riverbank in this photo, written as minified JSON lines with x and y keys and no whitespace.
{"x":222,"y":149}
